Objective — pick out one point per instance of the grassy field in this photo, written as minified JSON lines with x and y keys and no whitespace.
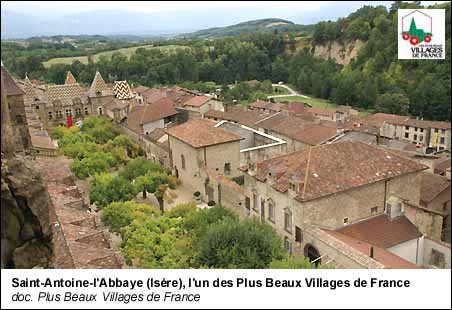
{"x":319,"y":103}
{"x":278,"y":90}
{"x":126,"y":51}
{"x":315,"y":102}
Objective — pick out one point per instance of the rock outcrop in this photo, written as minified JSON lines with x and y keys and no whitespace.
{"x":342,"y":53}
{"x":25,"y":204}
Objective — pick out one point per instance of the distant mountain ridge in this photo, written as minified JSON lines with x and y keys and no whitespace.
{"x":264,"y":25}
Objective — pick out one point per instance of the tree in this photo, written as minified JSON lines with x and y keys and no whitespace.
{"x":393,"y":103}
{"x":118,"y":215}
{"x":106,"y":188}
{"x":138,"y":167}
{"x":239,"y":244}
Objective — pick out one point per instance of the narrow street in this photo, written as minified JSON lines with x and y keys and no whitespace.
{"x":292,"y":92}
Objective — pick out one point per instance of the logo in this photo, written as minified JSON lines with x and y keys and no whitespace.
{"x":421,"y":34}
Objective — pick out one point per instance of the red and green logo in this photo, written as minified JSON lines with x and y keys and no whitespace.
{"x":414,"y":34}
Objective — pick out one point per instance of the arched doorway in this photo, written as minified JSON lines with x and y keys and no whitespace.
{"x":312,"y":253}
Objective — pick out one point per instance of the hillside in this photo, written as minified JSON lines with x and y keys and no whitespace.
{"x":260,"y":25}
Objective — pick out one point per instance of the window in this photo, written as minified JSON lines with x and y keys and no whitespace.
{"x":422,"y":129}
{"x":182,"y":159}
{"x":407,"y":135}
{"x":86,"y":111}
{"x":262,"y":210}
{"x":227,"y":168}
{"x":76,"y":101}
{"x":421,"y":138}
{"x":78,"y":111}
{"x":407,"y":127}
{"x":50,"y":116}
{"x":436,"y":129}
{"x":288,"y":220}
{"x":271,"y":211}
{"x":59,"y":114}
{"x":255,"y":202}
{"x":99,"y":111}
{"x":415,"y":137}
{"x":442,"y":140}
{"x":68,"y":113}
{"x":345,"y":220}
{"x":288,"y":245}
{"x":437,"y":259}
{"x":247,"y":206}
{"x":415,"y":128}
{"x":298,"y":234}
{"x":374,"y":210}
{"x":37,"y":107}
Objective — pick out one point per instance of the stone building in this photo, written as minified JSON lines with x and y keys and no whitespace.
{"x":197,"y":148}
{"x":329,"y":186}
{"x":144,"y":119}
{"x":197,"y":106}
{"x":427,"y":134}
{"x":16,"y":109}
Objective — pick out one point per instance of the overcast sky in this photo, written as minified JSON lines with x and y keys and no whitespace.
{"x":48,"y":8}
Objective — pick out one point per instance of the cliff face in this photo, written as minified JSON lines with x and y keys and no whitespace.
{"x":343,"y":53}
{"x":25,"y":228}
{"x":25,"y":224}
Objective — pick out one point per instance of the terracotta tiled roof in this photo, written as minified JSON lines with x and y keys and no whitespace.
{"x":10,"y":86}
{"x":354,"y":164}
{"x":238,"y":115}
{"x":197,"y":101}
{"x":378,"y":119}
{"x":382,"y":231}
{"x":70,"y":79}
{"x":150,"y":113}
{"x":440,"y":165}
{"x":200,"y":133}
{"x":381,"y":255}
{"x":140,"y":89}
{"x":324,"y":112}
{"x":259,"y":104}
{"x":315,"y":134}
{"x":153,"y":95}
{"x":122,"y":90}
{"x":98,"y":85}
{"x":298,"y":108}
{"x":432,"y":185}
{"x":116,"y":104}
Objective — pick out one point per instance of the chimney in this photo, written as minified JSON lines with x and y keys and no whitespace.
{"x":371,"y":252}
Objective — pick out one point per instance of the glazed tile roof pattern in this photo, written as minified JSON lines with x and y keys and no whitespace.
{"x":315,"y":134}
{"x":149,"y":113}
{"x":70,"y":79}
{"x":432,"y":185}
{"x":98,"y":85}
{"x":65,"y":94}
{"x":382,"y":231}
{"x":200,"y":133}
{"x":197,"y":101}
{"x":387,"y":259}
{"x":10,"y":86}
{"x":354,"y":163}
{"x":121,"y":89}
